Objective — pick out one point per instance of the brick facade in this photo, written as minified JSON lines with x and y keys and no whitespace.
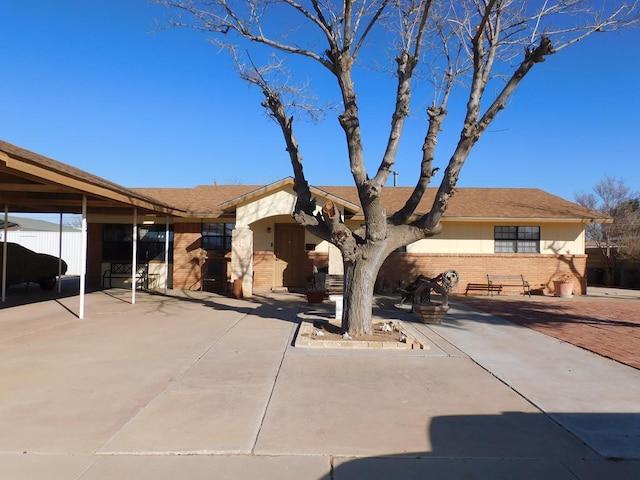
{"x":94,"y":255}
{"x":263,"y":265}
{"x":539,"y":270}
{"x":187,"y":241}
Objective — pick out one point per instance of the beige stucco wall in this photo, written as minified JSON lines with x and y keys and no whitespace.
{"x":562,"y":238}
{"x":264,"y":234}
{"x":477,"y":237}
{"x":278,"y":203}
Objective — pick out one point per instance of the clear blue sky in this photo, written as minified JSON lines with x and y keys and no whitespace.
{"x":85,"y":83}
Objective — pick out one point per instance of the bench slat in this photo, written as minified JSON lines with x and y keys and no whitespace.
{"x":124,"y":270}
{"x":487,"y":287}
{"x":509,"y":281}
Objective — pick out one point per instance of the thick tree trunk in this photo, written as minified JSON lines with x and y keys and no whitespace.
{"x":359,"y":282}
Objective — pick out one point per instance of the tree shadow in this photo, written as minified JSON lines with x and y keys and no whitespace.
{"x":531,"y":312}
{"x":512,"y":445}
{"x":271,"y":306}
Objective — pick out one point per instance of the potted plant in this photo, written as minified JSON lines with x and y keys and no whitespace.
{"x":564,"y":286}
{"x":316,"y":289}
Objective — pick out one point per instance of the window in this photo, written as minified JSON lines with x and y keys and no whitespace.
{"x":151,"y":240}
{"x":117,"y":242}
{"x":517,"y":239}
{"x":217,"y":236}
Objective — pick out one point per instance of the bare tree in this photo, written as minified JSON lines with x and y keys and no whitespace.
{"x":461,"y":46}
{"x":621,"y":238}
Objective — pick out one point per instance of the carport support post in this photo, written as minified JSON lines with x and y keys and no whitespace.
{"x":134,"y":264}
{"x":60,"y":255}
{"x":166,"y":256}
{"x":83,"y":262}
{"x":4,"y":252}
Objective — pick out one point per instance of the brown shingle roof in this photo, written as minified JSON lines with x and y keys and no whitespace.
{"x":467,"y":203}
{"x":202,"y":200}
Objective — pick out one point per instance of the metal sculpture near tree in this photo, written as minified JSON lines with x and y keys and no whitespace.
{"x":459,"y":46}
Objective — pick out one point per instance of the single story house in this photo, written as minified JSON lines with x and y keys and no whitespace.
{"x":248,"y":235}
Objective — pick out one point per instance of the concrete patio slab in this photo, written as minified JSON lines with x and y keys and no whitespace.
{"x":377,"y":405}
{"x":67,"y":388}
{"x":168,"y":387}
{"x":213,"y":420}
{"x":21,"y":466}
{"x":593,"y":397}
{"x":158,"y":467}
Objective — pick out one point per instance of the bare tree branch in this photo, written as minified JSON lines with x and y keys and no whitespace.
{"x":465,"y":46}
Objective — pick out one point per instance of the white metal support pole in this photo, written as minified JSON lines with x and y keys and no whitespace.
{"x":4,"y":253}
{"x":60,"y":256}
{"x":83,"y":264}
{"x":166,"y":256}
{"x":134,"y":259}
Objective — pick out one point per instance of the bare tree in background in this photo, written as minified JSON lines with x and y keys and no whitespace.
{"x":460,"y":47}
{"x":620,"y":239}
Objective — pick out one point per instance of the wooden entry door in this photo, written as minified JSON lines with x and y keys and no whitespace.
{"x":290,"y":256}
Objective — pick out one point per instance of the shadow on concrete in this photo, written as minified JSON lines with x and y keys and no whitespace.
{"x":270,"y":306}
{"x":28,"y":293}
{"x":513,"y":445}
{"x":534,"y":312}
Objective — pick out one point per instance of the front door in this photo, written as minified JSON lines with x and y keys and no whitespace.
{"x":290,"y":256}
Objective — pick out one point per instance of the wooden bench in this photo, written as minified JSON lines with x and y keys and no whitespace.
{"x":495,"y":281}
{"x":123,"y":270}
{"x":485,"y":287}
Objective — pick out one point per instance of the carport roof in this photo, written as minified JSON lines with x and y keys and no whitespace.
{"x":33,"y":183}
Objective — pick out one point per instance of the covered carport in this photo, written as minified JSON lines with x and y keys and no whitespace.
{"x":32,"y":183}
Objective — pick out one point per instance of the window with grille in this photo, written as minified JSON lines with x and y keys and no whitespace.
{"x":117,"y":242}
{"x":217,"y":236}
{"x":517,"y":239}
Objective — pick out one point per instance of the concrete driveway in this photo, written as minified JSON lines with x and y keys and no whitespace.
{"x":195,"y":386}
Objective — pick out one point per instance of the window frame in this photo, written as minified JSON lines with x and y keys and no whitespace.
{"x":516,"y":238}
{"x":117,"y":242}
{"x":222,"y":234}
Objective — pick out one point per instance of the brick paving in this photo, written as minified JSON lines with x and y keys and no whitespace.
{"x":607,"y":326}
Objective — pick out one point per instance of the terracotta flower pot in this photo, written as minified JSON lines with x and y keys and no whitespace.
{"x":315,"y":296}
{"x":563,"y":289}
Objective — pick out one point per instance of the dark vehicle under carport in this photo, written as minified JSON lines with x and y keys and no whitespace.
{"x":24,"y":266}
